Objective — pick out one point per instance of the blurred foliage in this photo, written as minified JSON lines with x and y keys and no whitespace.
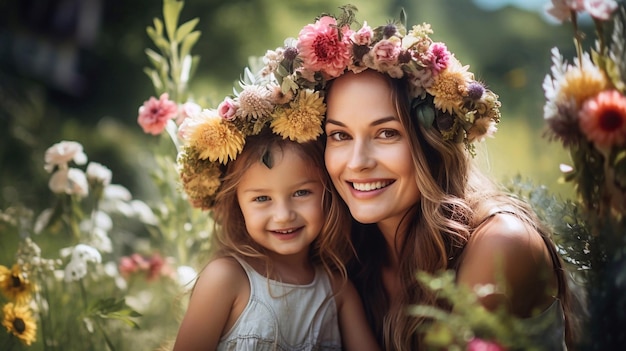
{"x":73,"y":70}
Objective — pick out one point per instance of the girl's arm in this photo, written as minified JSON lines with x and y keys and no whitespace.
{"x":356,"y":333}
{"x":506,"y":250}
{"x":220,"y":288}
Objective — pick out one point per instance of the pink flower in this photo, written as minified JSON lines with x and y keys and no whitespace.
{"x":363,"y":36}
{"x":187,"y":110}
{"x":477,"y":344}
{"x":227,"y":109}
{"x":603,"y":118}
{"x":438,"y":57}
{"x":562,"y":9}
{"x":386,"y":52}
{"x":322,"y":50}
{"x":154,"y":114}
{"x":600,"y":9}
{"x":127,"y":266}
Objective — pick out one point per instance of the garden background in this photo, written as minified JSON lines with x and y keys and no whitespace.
{"x":73,"y":70}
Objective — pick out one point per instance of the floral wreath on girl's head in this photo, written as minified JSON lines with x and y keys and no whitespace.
{"x":286,"y":94}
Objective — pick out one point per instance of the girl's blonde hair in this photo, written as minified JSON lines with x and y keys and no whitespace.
{"x":452,"y":204}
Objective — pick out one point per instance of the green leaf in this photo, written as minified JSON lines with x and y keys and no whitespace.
{"x":156,"y":59}
{"x":425,"y":115}
{"x":171,"y":12}
{"x":188,"y":43}
{"x":158,"y":26}
{"x":185,"y":29}
{"x":156,"y":80}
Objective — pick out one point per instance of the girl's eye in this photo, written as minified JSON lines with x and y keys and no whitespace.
{"x":299,"y":193}
{"x":389,"y":133}
{"x":338,"y":136}
{"x":262,"y":198}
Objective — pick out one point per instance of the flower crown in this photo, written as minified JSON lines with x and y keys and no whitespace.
{"x":286,"y":94}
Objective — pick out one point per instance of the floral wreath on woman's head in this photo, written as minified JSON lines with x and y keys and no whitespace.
{"x":286,"y":94}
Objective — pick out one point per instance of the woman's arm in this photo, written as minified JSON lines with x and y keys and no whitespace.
{"x":356,"y":333}
{"x":506,"y":250}
{"x":213,"y":307}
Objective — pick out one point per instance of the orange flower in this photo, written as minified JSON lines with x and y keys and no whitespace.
{"x":603,"y":118}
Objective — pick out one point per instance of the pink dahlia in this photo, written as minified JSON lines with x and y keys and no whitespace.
{"x":438,"y":56}
{"x":322,"y":49}
{"x":154,"y":114}
{"x":603,"y":118}
{"x":477,"y":344}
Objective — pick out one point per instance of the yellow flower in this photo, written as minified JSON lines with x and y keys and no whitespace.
{"x":582,"y":84}
{"x":214,"y":138}
{"x":14,"y":284}
{"x":19,"y":321}
{"x":302,"y":120}
{"x":450,"y":86}
{"x":200,"y":180}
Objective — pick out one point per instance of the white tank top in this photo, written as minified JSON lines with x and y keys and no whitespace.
{"x":282,"y":316}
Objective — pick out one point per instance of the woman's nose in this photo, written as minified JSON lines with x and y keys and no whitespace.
{"x":361,"y":156}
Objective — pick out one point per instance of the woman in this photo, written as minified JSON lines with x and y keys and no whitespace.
{"x":419,"y":204}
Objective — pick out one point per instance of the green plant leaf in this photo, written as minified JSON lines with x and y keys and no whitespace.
{"x":185,"y":29}
{"x":188,"y":43}
{"x":171,"y":13}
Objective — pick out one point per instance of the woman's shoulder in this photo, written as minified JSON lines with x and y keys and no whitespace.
{"x":507,"y":251}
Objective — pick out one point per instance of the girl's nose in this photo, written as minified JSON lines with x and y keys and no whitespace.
{"x":283,"y":212}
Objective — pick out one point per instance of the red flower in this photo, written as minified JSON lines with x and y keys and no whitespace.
{"x":154,"y":114}
{"x":603,"y":119}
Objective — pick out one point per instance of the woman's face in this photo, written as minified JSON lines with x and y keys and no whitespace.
{"x":367,"y":153}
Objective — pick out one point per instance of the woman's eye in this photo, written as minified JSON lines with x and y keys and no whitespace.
{"x":338,"y":136}
{"x":262,"y":198}
{"x":389,"y":133}
{"x":299,"y":193}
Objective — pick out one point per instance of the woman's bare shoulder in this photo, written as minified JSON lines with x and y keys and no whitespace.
{"x":509,"y":252}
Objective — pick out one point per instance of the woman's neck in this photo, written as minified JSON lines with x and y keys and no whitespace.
{"x":394,"y":235}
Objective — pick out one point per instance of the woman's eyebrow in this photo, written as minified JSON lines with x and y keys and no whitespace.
{"x":374,"y":123}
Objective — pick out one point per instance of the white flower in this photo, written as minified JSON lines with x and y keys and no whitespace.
{"x":144,"y":212}
{"x":70,"y":181}
{"x":75,"y":270}
{"x":101,"y":240}
{"x":86,"y":253}
{"x":103,"y":220}
{"x":99,"y":173}
{"x":62,"y":153}
{"x":117,"y":192}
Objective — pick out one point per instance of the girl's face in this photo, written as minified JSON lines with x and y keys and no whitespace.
{"x":282,"y":206}
{"x":367,"y":153}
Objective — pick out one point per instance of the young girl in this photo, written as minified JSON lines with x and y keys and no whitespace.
{"x":272,"y":284}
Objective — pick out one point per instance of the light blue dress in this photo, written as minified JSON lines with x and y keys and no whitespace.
{"x":282,"y":316}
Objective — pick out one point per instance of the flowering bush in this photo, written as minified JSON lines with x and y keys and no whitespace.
{"x":586,"y":111}
{"x":100,"y":269}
